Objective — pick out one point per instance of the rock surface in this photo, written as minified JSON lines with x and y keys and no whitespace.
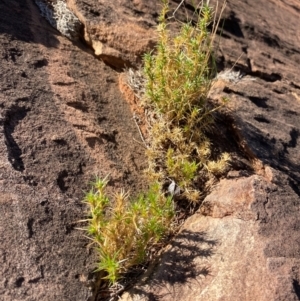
{"x":64,"y":119}
{"x":232,"y":249}
{"x":120,"y":32}
{"x":244,"y":243}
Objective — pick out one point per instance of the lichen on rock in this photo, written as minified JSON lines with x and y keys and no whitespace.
{"x":61,"y":17}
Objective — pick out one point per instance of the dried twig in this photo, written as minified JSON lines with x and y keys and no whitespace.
{"x":178,"y":7}
{"x":141,"y":134}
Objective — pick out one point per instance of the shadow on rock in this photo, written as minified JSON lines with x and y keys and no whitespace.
{"x":278,"y":153}
{"x":181,"y":264}
{"x":18,"y":18}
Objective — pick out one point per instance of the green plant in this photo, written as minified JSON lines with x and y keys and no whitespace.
{"x":178,"y":75}
{"x":178,"y":78}
{"x":124,"y":229}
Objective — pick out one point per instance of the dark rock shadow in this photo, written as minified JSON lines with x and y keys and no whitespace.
{"x":17,"y":20}
{"x":296,"y":287}
{"x":231,"y":25}
{"x":179,"y":265}
{"x":13,"y":117}
{"x":179,"y":262}
{"x":275,"y":152}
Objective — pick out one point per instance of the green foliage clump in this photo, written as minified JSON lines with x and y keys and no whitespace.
{"x":178,"y":79}
{"x":178,"y":75}
{"x":123,"y":229}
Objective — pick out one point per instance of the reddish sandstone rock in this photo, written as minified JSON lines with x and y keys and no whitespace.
{"x":244,"y":242}
{"x":64,"y":119}
{"x":234,"y":248}
{"x":116,"y":30}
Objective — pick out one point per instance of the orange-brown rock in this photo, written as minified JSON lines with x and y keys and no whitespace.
{"x":115,"y":31}
{"x":244,"y":242}
{"x":64,"y":118}
{"x":239,"y":246}
{"x":63,"y":121}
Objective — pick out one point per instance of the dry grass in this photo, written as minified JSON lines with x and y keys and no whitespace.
{"x":174,"y":88}
{"x":178,"y":78}
{"x":123,"y":230}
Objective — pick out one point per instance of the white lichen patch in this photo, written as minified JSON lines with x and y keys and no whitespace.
{"x":60,"y":17}
{"x":232,"y":76}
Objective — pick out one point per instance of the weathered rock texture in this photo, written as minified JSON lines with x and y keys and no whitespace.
{"x":244,"y":243}
{"x":120,"y":32}
{"x":232,"y":249}
{"x":64,"y":119}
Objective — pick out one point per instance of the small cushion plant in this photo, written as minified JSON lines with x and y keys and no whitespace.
{"x":122,"y":229}
{"x":177,"y":76}
{"x":178,"y":79}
